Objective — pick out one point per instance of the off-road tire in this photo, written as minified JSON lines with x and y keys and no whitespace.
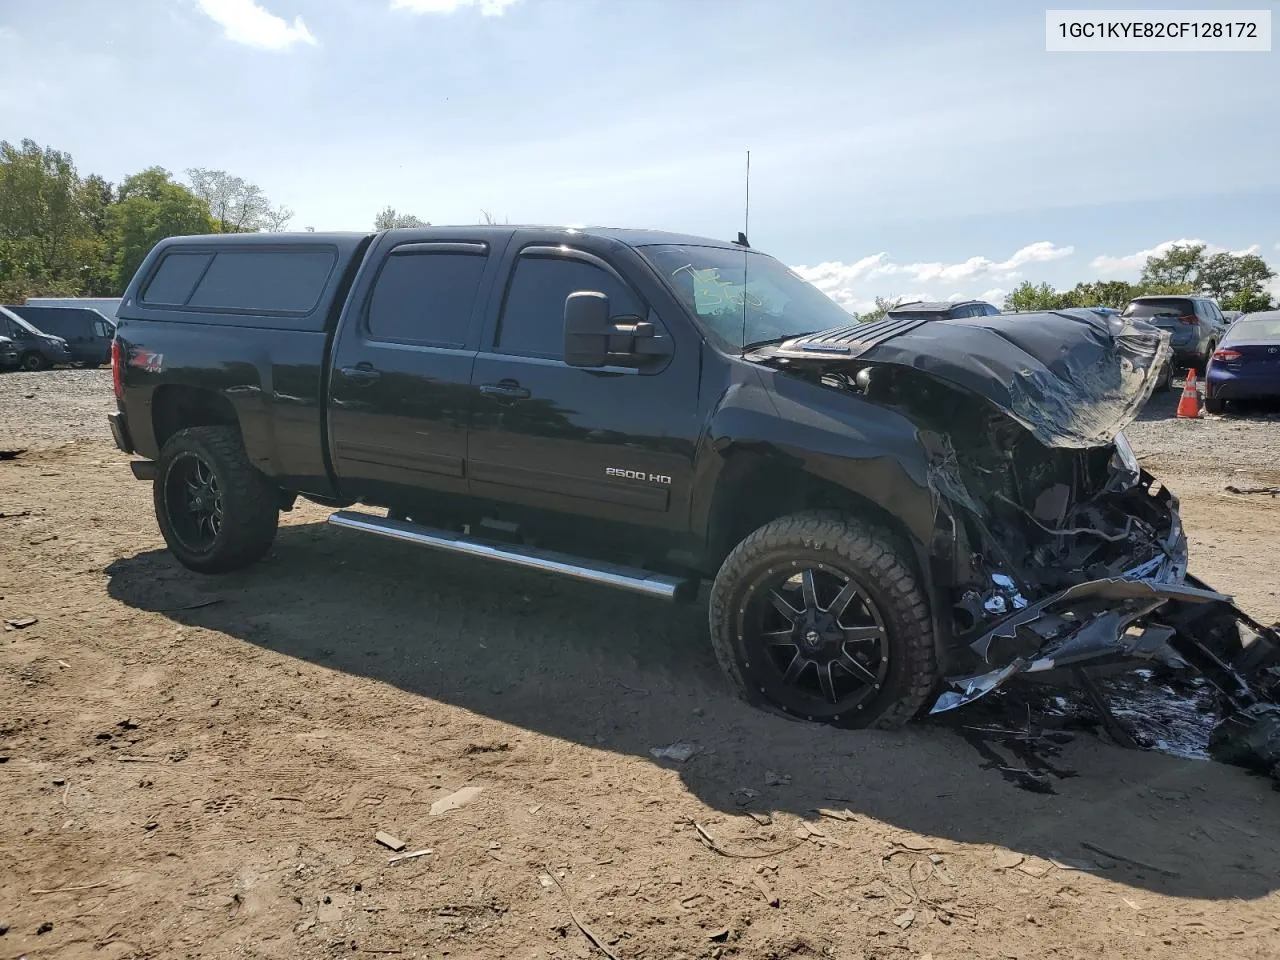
{"x":1214,"y":406}
{"x":880,"y":562}
{"x":33,"y":362}
{"x":250,"y":503}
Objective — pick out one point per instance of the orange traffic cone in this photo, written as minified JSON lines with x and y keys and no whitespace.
{"x":1189,"y":404}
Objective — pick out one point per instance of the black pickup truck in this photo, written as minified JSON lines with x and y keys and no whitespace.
{"x":893,"y":515}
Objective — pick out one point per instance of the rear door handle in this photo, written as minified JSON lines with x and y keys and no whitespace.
{"x":361,"y":371}
{"x":505,"y":390}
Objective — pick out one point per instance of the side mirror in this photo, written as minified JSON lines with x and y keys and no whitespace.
{"x":592,"y":338}
{"x":586,"y":329}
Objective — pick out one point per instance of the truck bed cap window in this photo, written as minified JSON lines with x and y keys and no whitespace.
{"x":175,"y":278}
{"x":264,"y":281}
{"x":258,"y":280}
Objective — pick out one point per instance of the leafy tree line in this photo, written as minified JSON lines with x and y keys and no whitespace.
{"x":62,"y":234}
{"x":1235,"y":281}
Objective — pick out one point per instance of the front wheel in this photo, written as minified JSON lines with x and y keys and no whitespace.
{"x":822,"y":616}
{"x":216,"y":510}
{"x":1214,"y":406}
{"x":34,"y":362}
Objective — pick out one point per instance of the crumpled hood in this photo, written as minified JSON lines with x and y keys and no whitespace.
{"x":1072,"y":377}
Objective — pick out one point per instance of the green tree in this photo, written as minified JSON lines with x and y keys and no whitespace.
{"x":1030,"y":296}
{"x":41,"y":222}
{"x":1225,"y":276}
{"x":1248,"y":301}
{"x":236,"y":205}
{"x":883,"y":306}
{"x":1180,"y":266}
{"x":388,"y":219}
{"x":1099,"y":293}
{"x":151,"y":207}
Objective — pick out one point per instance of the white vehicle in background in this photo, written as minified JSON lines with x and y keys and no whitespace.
{"x":104,"y":305}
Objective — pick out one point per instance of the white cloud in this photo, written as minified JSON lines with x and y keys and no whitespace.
{"x":849,"y":284}
{"x":245,"y":21}
{"x":1134,"y":262}
{"x":488,"y":8}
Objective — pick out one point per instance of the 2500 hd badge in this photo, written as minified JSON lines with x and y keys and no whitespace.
{"x":637,"y":475}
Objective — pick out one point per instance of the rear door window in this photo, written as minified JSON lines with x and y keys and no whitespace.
{"x":532,"y":323}
{"x":426,"y":298}
{"x":264,"y":281}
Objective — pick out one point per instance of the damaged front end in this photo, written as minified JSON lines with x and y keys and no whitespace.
{"x":1066,"y":553}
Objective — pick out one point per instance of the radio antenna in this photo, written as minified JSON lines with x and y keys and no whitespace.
{"x":742,"y":240}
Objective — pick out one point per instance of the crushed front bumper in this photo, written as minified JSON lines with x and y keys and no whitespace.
{"x":1155,"y":613}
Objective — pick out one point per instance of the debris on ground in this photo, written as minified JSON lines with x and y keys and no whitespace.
{"x":410,"y":856}
{"x":582,"y":924}
{"x":1132,"y":861}
{"x":1250,"y":738}
{"x":766,"y":891}
{"x":775,"y":779}
{"x":678,"y":752}
{"x":456,"y":800}
{"x":1007,"y":859}
{"x":20,"y":623}
{"x":1273,"y":491}
{"x":390,"y":841}
{"x":12,"y":454}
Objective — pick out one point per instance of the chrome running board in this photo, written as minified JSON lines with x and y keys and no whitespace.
{"x":632,"y":579}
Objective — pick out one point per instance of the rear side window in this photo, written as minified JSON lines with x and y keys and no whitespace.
{"x":426,"y":298}
{"x":532,"y":322}
{"x":1170,"y":307}
{"x":175,"y":278}
{"x":267,"y":281}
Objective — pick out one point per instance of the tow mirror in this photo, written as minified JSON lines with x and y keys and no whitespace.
{"x":592,"y":338}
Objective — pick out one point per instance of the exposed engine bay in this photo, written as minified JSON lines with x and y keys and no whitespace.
{"x":1067,"y":554}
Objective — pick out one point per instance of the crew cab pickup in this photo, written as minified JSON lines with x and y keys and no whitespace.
{"x":891,"y":515}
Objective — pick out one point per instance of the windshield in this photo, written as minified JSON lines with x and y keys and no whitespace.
{"x":18,"y":321}
{"x":743,"y":298}
{"x":1255,"y":328}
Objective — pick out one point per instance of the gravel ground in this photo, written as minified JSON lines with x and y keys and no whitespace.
{"x":197,"y":766}
{"x":53,"y":407}
{"x":1243,"y":443}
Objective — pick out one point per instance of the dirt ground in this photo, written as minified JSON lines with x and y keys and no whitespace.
{"x":197,"y":767}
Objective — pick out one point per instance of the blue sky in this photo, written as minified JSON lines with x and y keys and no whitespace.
{"x":914,"y":148}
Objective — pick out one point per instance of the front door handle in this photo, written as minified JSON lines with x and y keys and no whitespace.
{"x":361,"y":371}
{"x":505,"y":390}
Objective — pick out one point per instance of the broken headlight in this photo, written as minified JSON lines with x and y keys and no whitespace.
{"x":1123,"y":462}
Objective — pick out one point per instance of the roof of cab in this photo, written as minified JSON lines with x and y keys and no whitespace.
{"x":629,"y":236}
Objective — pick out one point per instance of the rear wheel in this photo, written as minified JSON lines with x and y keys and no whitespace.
{"x":1214,"y":406}
{"x":822,"y":616}
{"x":216,"y":510}
{"x":33,"y":362}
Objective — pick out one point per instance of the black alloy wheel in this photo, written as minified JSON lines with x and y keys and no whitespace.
{"x":194,"y":502}
{"x":819,"y":636}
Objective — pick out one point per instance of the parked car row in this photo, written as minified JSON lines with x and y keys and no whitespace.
{"x":43,"y":336}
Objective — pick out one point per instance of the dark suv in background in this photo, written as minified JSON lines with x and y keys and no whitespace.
{"x":1195,"y":326}
{"x":37,"y":350}
{"x":87,"y":332}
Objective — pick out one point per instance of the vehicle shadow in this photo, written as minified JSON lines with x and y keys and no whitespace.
{"x":626,"y":674}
